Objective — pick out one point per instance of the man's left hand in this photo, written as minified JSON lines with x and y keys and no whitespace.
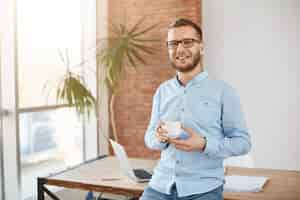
{"x":195,"y":142}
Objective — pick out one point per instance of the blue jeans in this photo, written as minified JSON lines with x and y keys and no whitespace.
{"x":151,"y":194}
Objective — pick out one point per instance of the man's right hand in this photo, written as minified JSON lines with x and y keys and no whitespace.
{"x":161,"y":134}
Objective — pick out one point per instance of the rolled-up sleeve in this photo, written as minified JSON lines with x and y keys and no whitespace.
{"x":236,"y":139}
{"x":150,"y":139}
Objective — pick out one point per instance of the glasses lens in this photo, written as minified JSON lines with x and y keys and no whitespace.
{"x":172,"y":44}
{"x":187,"y":43}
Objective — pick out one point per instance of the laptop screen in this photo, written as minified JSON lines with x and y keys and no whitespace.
{"x":123,"y":159}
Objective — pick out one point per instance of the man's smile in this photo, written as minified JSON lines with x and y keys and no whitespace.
{"x":182,"y":58}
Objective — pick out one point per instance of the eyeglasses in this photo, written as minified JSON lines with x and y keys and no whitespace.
{"x":186,"y":43}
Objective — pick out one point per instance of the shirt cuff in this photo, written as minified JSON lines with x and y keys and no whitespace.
{"x":211,"y":146}
{"x":160,"y":145}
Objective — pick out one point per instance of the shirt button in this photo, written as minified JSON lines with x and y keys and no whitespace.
{"x":182,"y":109}
{"x":177,"y":161}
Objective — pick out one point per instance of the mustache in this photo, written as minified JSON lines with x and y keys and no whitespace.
{"x":182,"y":55}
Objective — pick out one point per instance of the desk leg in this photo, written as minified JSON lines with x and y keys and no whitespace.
{"x":41,"y":189}
{"x":40,"y":186}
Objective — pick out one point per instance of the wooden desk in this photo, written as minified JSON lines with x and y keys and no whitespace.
{"x":95,"y":175}
{"x":282,"y":184}
{"x":89,"y":176}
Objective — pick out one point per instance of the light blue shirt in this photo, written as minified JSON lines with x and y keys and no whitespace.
{"x":211,"y":108}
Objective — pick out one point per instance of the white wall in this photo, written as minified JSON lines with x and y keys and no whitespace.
{"x":254,"y":45}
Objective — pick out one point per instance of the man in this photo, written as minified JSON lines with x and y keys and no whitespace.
{"x":191,"y":167}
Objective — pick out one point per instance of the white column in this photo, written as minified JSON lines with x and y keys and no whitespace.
{"x":11,"y":165}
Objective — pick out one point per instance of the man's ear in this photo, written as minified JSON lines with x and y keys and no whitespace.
{"x":201,"y":49}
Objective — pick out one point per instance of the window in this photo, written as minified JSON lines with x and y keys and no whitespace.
{"x":51,"y":137}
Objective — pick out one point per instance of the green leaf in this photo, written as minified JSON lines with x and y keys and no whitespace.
{"x":131,"y":60}
{"x":63,"y":91}
{"x":136,"y":26}
{"x":115,"y":28}
{"x":138,"y":56}
{"x":144,"y":31}
{"x":122,"y":28}
{"x":145,"y":49}
{"x":58,"y":91}
{"x":145,"y":40}
{"x":61,"y":57}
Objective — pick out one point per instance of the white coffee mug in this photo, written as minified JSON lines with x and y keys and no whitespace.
{"x":173,"y":128}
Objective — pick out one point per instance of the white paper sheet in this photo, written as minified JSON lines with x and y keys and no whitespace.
{"x":236,"y":183}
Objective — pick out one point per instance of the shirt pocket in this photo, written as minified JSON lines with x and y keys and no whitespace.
{"x":206,"y":111}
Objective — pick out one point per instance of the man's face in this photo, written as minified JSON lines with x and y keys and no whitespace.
{"x":184,"y":59}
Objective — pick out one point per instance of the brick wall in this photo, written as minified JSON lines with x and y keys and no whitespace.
{"x":134,"y":100}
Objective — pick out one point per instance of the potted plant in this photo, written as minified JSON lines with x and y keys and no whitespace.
{"x":125,"y":48}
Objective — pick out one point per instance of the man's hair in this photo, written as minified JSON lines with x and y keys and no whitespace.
{"x":186,"y":22}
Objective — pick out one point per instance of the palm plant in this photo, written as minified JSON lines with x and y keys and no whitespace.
{"x":127,"y":47}
{"x":81,"y":97}
{"x":71,"y":90}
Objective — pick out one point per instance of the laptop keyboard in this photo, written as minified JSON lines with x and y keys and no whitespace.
{"x":142,"y":174}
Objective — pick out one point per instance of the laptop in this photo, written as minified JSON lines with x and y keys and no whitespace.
{"x":138,"y":175}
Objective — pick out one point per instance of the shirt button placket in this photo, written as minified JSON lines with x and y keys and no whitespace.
{"x":184,"y":99}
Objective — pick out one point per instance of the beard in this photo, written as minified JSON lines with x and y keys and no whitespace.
{"x":189,"y":67}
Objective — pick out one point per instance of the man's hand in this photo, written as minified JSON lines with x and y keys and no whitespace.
{"x":161,"y":133}
{"x":194,"y":142}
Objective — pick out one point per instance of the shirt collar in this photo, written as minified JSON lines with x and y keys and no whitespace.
{"x":197,"y":79}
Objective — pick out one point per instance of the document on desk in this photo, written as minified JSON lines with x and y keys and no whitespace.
{"x":236,"y":183}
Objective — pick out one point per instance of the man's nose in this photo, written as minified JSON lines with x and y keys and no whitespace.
{"x":180,"y":46}
{"x":180,"y":49}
